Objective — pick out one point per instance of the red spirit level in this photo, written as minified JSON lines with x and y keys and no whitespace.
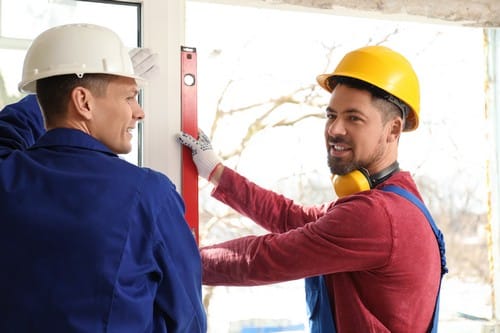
{"x":189,"y":124}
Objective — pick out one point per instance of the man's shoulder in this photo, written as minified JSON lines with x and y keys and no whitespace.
{"x":154,"y":179}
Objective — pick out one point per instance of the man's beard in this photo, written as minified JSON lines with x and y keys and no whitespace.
{"x":337,"y":165}
{"x":339,"y":168}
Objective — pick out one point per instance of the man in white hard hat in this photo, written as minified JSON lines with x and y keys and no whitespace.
{"x":88,"y":241}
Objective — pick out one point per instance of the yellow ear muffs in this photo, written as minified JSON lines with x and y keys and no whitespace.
{"x":353,"y":182}
{"x":360,"y":180}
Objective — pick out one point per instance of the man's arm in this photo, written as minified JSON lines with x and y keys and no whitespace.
{"x":21,"y":124}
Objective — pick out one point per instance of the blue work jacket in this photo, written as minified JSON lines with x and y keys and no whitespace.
{"x":89,"y":242}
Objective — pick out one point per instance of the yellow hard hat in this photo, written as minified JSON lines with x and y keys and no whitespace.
{"x":385,"y":69}
{"x":76,"y":49}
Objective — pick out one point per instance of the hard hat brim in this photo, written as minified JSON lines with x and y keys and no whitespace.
{"x":411,"y":121}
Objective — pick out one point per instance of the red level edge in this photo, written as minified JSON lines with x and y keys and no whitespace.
{"x":189,"y":124}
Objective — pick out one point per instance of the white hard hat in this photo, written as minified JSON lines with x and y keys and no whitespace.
{"x":75,"y":49}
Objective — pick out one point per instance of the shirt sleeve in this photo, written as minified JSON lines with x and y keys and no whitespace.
{"x":21,"y":124}
{"x":352,"y":235}
{"x":179,"y":292}
{"x":270,"y":210}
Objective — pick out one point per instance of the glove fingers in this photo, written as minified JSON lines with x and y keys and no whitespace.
{"x":203,"y":141}
{"x":148,"y":68}
{"x":203,"y":137}
{"x":138,"y":54}
{"x":133,"y":52}
{"x":144,"y":62}
{"x":188,"y":141}
{"x":203,"y":155}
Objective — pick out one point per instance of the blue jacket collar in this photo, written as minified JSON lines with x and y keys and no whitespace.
{"x":69,"y":137}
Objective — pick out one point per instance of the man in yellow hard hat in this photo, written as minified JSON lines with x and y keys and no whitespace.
{"x":88,"y":242}
{"x":373,"y":259}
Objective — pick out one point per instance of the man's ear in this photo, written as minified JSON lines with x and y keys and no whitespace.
{"x":82,"y":99}
{"x":395,"y":130}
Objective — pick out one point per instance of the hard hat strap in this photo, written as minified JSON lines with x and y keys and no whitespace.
{"x":405,"y":110}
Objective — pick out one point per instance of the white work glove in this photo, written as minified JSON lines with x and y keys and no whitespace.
{"x":203,"y":154}
{"x":144,"y":62}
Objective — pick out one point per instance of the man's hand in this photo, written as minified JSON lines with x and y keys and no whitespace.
{"x":203,"y":154}
{"x":144,"y":62}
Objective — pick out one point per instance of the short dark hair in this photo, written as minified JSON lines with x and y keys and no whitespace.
{"x":389,"y":104}
{"x":54,"y":92}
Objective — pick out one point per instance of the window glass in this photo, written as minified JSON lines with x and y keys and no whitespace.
{"x":16,"y":35}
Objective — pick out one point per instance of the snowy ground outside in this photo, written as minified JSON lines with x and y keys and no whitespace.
{"x":465,"y":307}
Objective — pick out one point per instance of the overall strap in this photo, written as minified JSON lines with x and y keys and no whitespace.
{"x":439,"y":237}
{"x":321,"y":319}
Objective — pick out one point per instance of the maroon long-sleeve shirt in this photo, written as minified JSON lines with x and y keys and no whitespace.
{"x":377,"y":250}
